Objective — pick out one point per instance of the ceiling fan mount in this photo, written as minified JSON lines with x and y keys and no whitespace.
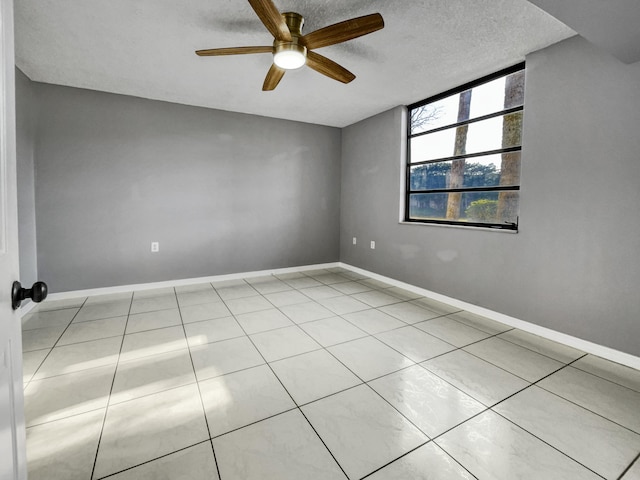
{"x":292,"y":50}
{"x":293,"y":54}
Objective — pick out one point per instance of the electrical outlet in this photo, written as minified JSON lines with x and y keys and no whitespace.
{"x":373,"y":245}
{"x":155,"y":247}
{"x":354,"y":240}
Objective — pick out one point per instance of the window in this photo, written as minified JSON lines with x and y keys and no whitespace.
{"x":463,"y":161}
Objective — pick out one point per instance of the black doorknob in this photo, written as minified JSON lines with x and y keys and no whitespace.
{"x":37,"y":293}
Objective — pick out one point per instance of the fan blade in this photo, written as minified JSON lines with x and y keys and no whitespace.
{"x":274,"y":75}
{"x":328,"y":67}
{"x":343,"y":31}
{"x":271,"y":18}
{"x":212,"y":52}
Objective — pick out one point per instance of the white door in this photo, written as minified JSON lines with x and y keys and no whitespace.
{"x":12,"y":432}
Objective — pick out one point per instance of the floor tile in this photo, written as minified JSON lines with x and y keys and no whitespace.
{"x":120,"y":297}
{"x":352,"y":275}
{"x":376,"y":298}
{"x":614,"y":372}
{"x":425,"y":399}
{"x":480,"y":322}
{"x":154,"y":292}
{"x":152,"y":342}
{"x":349,"y":288}
{"x":601,"y":445}
{"x":518,"y":360}
{"x":248,"y":304}
{"x":552,"y":349}
{"x":198,"y":461}
{"x":40,"y":338}
{"x":313,"y":375}
{"x":237,"y":399}
{"x":284,"y":447}
{"x":49,"y":319}
{"x":193,"y":287}
{"x":289,"y":275}
{"x":66,"y":395}
{"x":435,"y":306}
{"x":369,"y":358}
{"x":290,"y":297}
{"x":263,"y":320}
{"x":96,"y":311}
{"x":316,"y":271}
{"x":148,"y":427}
{"x":235,"y":282}
{"x":321,"y":292}
{"x":152,"y":320}
{"x":451,"y":331}
{"x":343,"y":305}
{"x":415,"y":344}
{"x":260,"y":279}
{"x":152,"y":374}
{"x":49,"y":305}
{"x":233,"y":292}
{"x":64,"y":449}
{"x":306,"y":312}
{"x":80,"y":356}
{"x":272,"y":286}
{"x":196,"y":298}
{"x":208,"y":331}
{"x":93,"y":330}
{"x":402,"y":294}
{"x":302,"y":282}
{"x":362,"y":430}
{"x":330,"y":331}
{"x":331,"y":278}
{"x":483,"y":381}
{"x":31,"y":361}
{"x":428,"y":462}
{"x":214,"y":359}
{"x":373,"y":283}
{"x":493,"y":448}
{"x":408,"y":312}
{"x":283,"y":342}
{"x":615,"y":402}
{"x":205,"y":311}
{"x":373,"y":321}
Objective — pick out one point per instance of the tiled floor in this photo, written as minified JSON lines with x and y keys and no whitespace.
{"x":322,"y":375}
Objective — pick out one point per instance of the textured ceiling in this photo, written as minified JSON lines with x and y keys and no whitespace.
{"x":145,"y":48}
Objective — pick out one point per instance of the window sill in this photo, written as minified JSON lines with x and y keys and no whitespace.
{"x":463,"y":227}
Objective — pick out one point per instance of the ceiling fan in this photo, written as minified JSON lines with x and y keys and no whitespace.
{"x":292,"y":50}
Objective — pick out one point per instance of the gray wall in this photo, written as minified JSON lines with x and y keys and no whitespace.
{"x":221,"y":192}
{"x":26,"y":112}
{"x":573,"y":266}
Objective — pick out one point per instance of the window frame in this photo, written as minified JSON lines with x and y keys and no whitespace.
{"x":409,"y":136}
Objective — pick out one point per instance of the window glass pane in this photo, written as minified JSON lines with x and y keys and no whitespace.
{"x":486,"y":171}
{"x":491,"y":97}
{"x":492,"y":134}
{"x":477,"y":207}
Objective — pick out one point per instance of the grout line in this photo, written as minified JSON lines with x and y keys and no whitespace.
{"x":113,"y":381}
{"x":624,"y":472}
{"x":292,"y":399}
{"x":195,"y":375}
{"x":153,"y":459}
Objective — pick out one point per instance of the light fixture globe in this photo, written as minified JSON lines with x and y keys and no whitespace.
{"x":289,"y":55}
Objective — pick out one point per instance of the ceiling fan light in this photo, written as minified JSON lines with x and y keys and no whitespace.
{"x":290,"y":56}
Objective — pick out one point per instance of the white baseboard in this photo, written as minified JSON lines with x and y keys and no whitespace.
{"x":584,"y":345}
{"x":185,"y":281}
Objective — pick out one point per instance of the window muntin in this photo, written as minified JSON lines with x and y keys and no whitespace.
{"x":463,"y":162}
